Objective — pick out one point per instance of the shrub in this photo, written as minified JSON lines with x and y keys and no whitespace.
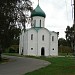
{"x":12,"y":49}
{"x":65,"y":49}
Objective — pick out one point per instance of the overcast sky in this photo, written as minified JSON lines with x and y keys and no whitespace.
{"x":58,"y":14}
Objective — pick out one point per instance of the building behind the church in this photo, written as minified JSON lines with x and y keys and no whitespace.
{"x":38,"y":40}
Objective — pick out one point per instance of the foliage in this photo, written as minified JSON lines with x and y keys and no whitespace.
{"x":12,"y":54}
{"x":12,"y":49}
{"x":58,"y":66}
{"x":10,"y":17}
{"x":22,"y":12}
{"x":64,"y":49}
{"x":66,"y":54}
{"x":70,"y":36}
{"x":64,"y":46}
{"x":62,"y":41}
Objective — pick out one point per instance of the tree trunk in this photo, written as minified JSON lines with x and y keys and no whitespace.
{"x":74,"y":27}
{"x":0,"y":54}
{"x":0,"y":57}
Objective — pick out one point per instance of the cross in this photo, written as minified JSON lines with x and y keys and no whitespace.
{"x":38,"y":2}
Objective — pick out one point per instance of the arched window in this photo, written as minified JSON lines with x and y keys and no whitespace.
{"x":42,"y":37}
{"x":31,"y":36}
{"x":40,"y":23}
{"x":52,"y":38}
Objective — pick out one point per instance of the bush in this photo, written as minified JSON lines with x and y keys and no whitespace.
{"x":65,"y":49}
{"x":12,"y":49}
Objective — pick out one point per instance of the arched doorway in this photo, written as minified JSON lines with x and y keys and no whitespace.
{"x":42,"y":51}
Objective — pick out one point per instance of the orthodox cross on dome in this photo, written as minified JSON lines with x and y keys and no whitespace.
{"x":38,"y":2}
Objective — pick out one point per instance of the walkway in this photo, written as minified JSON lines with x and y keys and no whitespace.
{"x":21,"y":65}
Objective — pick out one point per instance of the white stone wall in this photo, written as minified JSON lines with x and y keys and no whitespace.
{"x":37,"y":43}
{"x":32,"y":43}
{"x":54,"y":44}
{"x":26,"y":43}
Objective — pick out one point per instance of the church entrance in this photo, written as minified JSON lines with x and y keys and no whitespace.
{"x":42,"y":51}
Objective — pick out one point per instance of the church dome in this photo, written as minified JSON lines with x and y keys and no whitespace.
{"x":38,"y":12}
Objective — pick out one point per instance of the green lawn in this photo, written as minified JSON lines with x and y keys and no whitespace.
{"x":58,"y":66}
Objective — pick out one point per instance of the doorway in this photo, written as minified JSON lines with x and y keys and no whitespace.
{"x":42,"y":51}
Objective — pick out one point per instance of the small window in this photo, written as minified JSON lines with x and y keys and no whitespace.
{"x":42,"y":37}
{"x":53,"y":49}
{"x":52,"y":38}
{"x":40,"y":23}
{"x":31,"y":48}
{"x":31,"y":36}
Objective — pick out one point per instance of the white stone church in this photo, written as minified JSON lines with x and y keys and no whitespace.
{"x":38,"y":40}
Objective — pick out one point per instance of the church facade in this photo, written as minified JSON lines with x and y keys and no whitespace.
{"x":38,"y":40}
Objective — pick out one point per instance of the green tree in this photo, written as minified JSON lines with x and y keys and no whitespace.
{"x":62,"y":41}
{"x":11,"y":14}
{"x":22,"y":10}
{"x":70,"y":36}
{"x":64,"y":46}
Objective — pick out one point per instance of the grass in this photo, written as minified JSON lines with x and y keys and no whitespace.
{"x":58,"y":66}
{"x":11,"y":54}
{"x":65,"y":54}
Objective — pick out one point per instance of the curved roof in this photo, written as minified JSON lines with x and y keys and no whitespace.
{"x":38,"y":12}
